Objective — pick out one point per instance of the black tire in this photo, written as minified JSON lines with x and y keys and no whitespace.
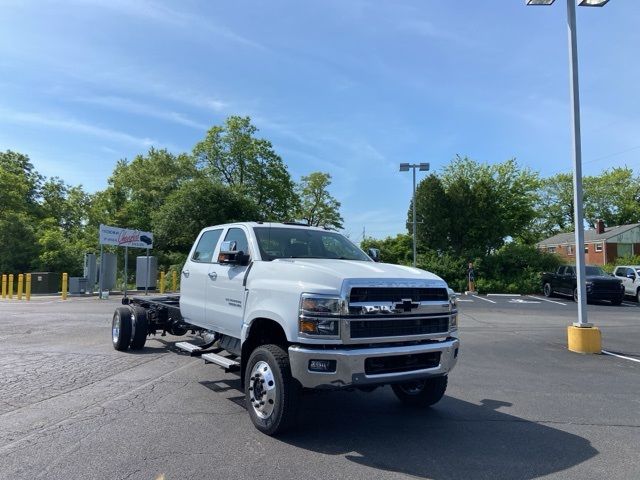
{"x":547,"y":290}
{"x":421,"y":393}
{"x":121,"y":328}
{"x":638,"y":295}
{"x":272,"y":394}
{"x":139,"y":330}
{"x":617,"y":301}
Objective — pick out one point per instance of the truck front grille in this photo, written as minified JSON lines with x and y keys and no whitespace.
{"x":398,"y":327}
{"x":384,"y":294}
{"x":401,"y":363}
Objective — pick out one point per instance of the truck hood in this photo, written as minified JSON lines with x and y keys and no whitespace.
{"x":601,"y":278}
{"x":324,"y":275}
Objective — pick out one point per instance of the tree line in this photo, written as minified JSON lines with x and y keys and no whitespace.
{"x":231,"y":175}
{"x":492,"y":215}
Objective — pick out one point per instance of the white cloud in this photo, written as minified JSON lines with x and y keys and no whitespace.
{"x":69,"y":124}
{"x":131,"y":106}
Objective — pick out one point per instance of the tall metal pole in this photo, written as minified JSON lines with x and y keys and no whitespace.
{"x":577,"y":167}
{"x":126,"y":258}
{"x":101,"y":273}
{"x":414,"y":215}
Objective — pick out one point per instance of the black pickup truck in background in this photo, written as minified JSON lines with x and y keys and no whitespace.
{"x":600,"y":286}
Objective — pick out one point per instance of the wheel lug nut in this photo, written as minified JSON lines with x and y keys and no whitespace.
{"x":271,"y":401}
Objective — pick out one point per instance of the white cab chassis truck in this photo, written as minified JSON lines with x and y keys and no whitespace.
{"x":293,"y":307}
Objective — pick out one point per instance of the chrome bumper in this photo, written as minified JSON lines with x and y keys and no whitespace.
{"x":350,"y":368}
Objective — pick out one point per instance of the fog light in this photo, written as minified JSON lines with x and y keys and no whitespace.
{"x":324,"y":366}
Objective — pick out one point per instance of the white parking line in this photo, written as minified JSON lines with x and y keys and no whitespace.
{"x":503,"y":294}
{"x":547,"y":300}
{"x":463,"y":300}
{"x":629,"y":304}
{"x":620,"y":356}
{"x":485,"y":299}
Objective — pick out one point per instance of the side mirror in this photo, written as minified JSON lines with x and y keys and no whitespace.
{"x":230,"y":255}
{"x":631,"y":276}
{"x":374,"y":253}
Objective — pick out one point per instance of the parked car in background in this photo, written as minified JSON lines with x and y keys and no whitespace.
{"x":600,"y":286}
{"x":630,"y":277}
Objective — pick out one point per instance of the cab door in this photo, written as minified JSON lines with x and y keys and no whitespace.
{"x":194,"y":276}
{"x":225,"y":291}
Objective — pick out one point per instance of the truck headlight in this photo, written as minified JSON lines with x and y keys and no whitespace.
{"x":318,"y":315}
{"x":453,"y":310}
{"x":453,"y":321}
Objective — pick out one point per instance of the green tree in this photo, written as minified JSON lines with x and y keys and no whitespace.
{"x":19,"y":208}
{"x":233,"y":155}
{"x":137,"y":188}
{"x":194,"y":205}
{"x":317,"y":206}
{"x":398,"y":249}
{"x":472,"y":208}
{"x":555,"y":207}
{"x":613,"y":196}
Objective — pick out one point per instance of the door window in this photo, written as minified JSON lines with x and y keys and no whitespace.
{"x":206,"y":246}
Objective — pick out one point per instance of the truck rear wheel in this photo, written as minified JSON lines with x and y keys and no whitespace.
{"x":271,"y":393}
{"x":546,"y":289}
{"x":421,"y":393}
{"x":139,"y":330}
{"x":121,"y":328}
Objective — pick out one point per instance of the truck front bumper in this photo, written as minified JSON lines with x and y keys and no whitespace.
{"x":362,"y":366}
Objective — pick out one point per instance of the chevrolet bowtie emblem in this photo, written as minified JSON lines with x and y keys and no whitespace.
{"x":406,"y":305}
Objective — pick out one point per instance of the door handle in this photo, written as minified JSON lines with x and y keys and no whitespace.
{"x":185,"y":273}
{"x":213,"y":275}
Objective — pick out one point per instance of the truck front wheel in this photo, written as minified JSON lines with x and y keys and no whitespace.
{"x":121,"y":328}
{"x":548,"y":292}
{"x":421,"y":393}
{"x":271,"y":393}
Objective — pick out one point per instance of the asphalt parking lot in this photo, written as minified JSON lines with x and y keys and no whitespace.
{"x":519,"y":405}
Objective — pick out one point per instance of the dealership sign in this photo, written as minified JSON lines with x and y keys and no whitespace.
{"x":123,"y":237}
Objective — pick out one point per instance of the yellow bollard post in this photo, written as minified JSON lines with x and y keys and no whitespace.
{"x":20,"y":284}
{"x":27,"y":292}
{"x":161,"y":283}
{"x":174,"y":281}
{"x":65,"y":279}
{"x":10,"y":286}
{"x":4,"y":285}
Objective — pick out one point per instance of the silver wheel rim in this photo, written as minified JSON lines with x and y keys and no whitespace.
{"x":115,"y":329}
{"x":413,"y":388}
{"x":262,"y":390}
{"x":575,"y":295}
{"x":547,"y":290}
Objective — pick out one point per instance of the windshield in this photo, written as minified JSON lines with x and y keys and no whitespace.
{"x":281,"y":242}
{"x":595,"y":271}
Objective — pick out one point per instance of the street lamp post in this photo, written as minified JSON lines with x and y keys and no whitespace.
{"x":423,"y":167}
{"x":577,"y":151}
{"x":582,"y":336}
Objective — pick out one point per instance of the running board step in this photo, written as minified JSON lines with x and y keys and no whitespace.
{"x":194,"y":350}
{"x":227,"y":363}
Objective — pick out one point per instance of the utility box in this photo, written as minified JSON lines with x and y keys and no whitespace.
{"x":141,"y":272}
{"x":77,"y":285}
{"x":90,"y":271}
{"x":45,"y":282}
{"x":108,"y":271}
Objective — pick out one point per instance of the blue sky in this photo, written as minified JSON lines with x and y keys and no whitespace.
{"x":349,"y":87}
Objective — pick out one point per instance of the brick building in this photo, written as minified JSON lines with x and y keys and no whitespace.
{"x":601,"y":245}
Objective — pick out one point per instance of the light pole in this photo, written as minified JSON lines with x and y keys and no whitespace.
{"x":423,"y":167}
{"x":577,"y":153}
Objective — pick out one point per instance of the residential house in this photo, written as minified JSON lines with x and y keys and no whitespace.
{"x":601,"y":245}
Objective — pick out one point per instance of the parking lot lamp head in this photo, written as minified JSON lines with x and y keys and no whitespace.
{"x":540,"y":2}
{"x":424,"y":167}
{"x":593,"y":3}
{"x":404,"y":167}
